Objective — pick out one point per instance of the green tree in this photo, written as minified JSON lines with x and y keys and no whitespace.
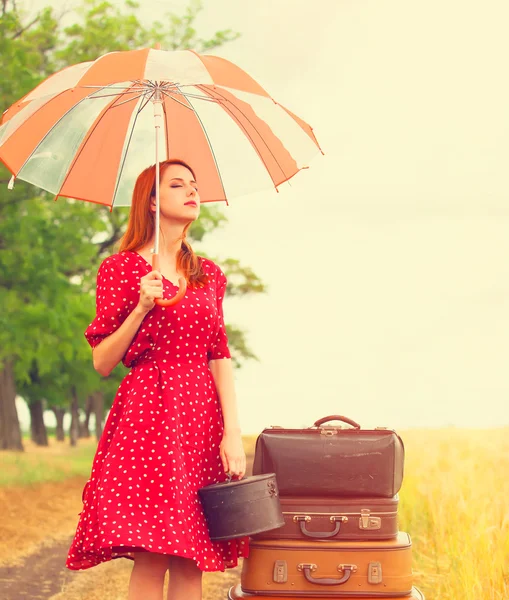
{"x":49,"y":255}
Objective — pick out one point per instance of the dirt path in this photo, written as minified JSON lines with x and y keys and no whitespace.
{"x":38,"y":576}
{"x":36,"y":529}
{"x":37,"y":514}
{"x":42,"y":576}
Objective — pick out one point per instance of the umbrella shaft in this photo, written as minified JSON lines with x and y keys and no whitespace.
{"x":158,"y":114}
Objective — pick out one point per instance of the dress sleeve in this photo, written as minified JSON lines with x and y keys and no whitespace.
{"x":219,"y":347}
{"x":111,"y":303}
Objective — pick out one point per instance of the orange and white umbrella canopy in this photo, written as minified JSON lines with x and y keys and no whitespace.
{"x":87,"y":131}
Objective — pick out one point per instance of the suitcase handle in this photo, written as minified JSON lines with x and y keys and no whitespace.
{"x":302,"y":520}
{"x":336,"y":418}
{"x":308,"y":567}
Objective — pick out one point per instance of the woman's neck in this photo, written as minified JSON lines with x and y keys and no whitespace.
{"x":170,"y":243}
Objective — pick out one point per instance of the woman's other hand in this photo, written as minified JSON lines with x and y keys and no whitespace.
{"x":151,"y":287}
{"x":232,"y":454}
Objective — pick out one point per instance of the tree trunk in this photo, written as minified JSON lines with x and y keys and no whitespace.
{"x":10,"y":430}
{"x":59,"y":416}
{"x":85,"y":425}
{"x":37,"y":426}
{"x":75,"y":417}
{"x":98,"y":399}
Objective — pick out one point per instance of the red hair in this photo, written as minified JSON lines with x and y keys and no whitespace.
{"x":141,"y":224}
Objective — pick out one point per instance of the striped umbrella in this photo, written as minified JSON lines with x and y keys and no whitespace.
{"x":87,"y":131}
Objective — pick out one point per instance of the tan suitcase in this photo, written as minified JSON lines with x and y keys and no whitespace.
{"x":377,"y":568}
{"x":236,"y":593}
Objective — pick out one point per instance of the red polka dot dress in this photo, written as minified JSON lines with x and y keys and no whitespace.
{"x":160,"y":443}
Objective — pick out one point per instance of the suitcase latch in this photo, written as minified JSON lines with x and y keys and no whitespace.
{"x":366,"y":521}
{"x":328,"y":432}
{"x":310,"y":566}
{"x":272,"y":488}
{"x":335,"y":518}
{"x":305,"y":518}
{"x":375,"y":572}
{"x":280,"y":572}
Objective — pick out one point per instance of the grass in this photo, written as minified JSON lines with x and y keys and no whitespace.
{"x":455,"y":505}
{"x":38,"y":464}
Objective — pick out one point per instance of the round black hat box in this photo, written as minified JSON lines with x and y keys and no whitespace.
{"x":243,"y":507}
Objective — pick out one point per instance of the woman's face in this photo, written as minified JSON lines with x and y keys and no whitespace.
{"x":178,"y":194}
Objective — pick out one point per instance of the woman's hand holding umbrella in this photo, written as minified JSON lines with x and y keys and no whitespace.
{"x":151,"y":291}
{"x":151,"y":288}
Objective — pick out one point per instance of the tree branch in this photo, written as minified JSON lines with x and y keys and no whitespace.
{"x":22,"y":31}
{"x":115,"y":236}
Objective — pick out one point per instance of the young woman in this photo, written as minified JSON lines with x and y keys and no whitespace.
{"x":173,"y":427}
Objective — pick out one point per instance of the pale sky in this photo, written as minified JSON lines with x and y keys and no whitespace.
{"x":387,"y":260}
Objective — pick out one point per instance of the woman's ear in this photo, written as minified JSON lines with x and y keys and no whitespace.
{"x":152,"y":204}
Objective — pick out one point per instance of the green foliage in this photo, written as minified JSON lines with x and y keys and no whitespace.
{"x":25,"y":49}
{"x":50,"y":253}
{"x":239,"y":348}
{"x":210,"y":218}
{"x":177,"y":32}
{"x":102,"y":28}
{"x":241,"y":280}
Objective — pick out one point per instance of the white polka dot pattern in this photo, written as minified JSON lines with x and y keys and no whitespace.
{"x":161,"y":440}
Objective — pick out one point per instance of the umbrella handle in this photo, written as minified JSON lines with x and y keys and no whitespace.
{"x":182,"y":287}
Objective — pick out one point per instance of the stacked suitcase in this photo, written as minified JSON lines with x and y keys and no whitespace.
{"x":338,"y":490}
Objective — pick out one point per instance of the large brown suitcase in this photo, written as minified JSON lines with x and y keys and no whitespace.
{"x":310,"y":568}
{"x":236,"y":593}
{"x":336,"y":519}
{"x":331,"y":460}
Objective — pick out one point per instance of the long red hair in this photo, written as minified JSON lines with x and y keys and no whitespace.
{"x":141,"y":224}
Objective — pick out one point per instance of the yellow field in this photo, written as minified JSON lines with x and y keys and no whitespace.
{"x":454,"y":503}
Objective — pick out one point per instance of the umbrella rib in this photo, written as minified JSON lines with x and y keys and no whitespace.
{"x":177,"y":90}
{"x":165,"y":120}
{"x":129,"y":100}
{"x":148,"y":99}
{"x":175,"y":100}
{"x":184,"y":95}
{"x":211,"y":149}
{"x":225,"y":106}
{"x":118,"y":94}
{"x":114,"y":86}
{"x":206,"y":98}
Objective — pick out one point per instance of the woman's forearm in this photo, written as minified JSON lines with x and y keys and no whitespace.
{"x":111,"y":350}
{"x":222,"y":372}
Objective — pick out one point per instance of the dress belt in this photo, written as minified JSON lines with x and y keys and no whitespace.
{"x":162,"y":363}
